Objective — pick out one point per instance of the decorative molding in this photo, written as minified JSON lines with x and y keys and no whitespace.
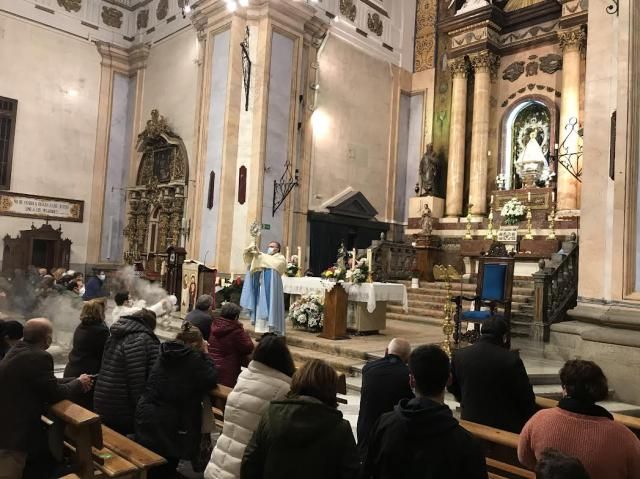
{"x":71,"y":5}
{"x":374,"y":23}
{"x":348,"y":9}
{"x":162,"y":10}
{"x":112,"y":17}
{"x":142,"y":19}
{"x":513,"y":71}
{"x":425,"y":34}
{"x":485,"y":62}
{"x":573,"y":39}
{"x":458,"y":67}
{"x":551,"y":63}
{"x":530,"y":88}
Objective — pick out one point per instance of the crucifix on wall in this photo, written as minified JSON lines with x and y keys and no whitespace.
{"x":246,"y":68}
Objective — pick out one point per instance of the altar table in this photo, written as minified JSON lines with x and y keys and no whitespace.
{"x":367,"y":310}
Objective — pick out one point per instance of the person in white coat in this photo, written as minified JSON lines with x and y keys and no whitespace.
{"x":268,"y":378}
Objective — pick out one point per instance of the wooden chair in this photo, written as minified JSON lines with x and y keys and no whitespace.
{"x":494,"y":287}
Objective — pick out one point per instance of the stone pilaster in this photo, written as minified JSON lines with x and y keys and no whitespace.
{"x":455,"y":167}
{"x":485,"y":65}
{"x":572,"y":43}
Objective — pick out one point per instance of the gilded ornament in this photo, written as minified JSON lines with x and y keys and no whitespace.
{"x":458,"y":67}
{"x":142,"y":20}
{"x":162,"y":10}
{"x":70,"y":5}
{"x":518,"y":4}
{"x":348,"y":9}
{"x":532,"y":69}
{"x":513,"y":71}
{"x":425,"y":35}
{"x":112,"y":17}
{"x":485,"y":62}
{"x":572,"y":40}
{"x":551,"y":63}
{"x":374,"y":23}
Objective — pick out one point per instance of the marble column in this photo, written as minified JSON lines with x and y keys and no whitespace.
{"x":485,"y":65}
{"x":572,"y":42}
{"x":455,"y":165}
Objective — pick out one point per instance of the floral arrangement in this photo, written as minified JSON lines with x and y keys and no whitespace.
{"x":501,"y":181}
{"x":360,"y":273}
{"x":335,"y":273}
{"x":292,"y":267}
{"x":513,"y":212}
{"x":307,"y":313}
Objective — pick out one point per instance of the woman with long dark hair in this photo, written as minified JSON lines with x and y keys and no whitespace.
{"x":268,"y":378}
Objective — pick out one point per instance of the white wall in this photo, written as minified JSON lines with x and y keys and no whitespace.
{"x":351,"y":126}
{"x":170,"y":85}
{"x":55,"y":130}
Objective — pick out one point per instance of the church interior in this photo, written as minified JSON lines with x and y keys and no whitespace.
{"x":430,"y":150}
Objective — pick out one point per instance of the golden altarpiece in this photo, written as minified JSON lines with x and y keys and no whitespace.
{"x":157,"y":200}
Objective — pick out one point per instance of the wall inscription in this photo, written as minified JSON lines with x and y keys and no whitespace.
{"x":41,"y":207}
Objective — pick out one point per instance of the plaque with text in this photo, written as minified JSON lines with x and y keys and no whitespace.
{"x":41,"y":207}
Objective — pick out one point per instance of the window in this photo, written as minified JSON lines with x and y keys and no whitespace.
{"x":8,"y":110}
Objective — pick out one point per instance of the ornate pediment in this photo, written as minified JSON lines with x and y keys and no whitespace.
{"x":355,"y":205}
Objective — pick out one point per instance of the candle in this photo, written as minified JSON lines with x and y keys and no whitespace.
{"x":369,"y":257}
{"x":286,"y":254}
{"x":553,"y":197}
{"x":354,"y":260}
{"x":491,"y":200}
{"x":299,"y":258}
{"x":529,"y":197}
{"x":489,"y":153}
{"x":556,"y":147}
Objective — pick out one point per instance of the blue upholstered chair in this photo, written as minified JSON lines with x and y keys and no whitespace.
{"x":493,"y":294}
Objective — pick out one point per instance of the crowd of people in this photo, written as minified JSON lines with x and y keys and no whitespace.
{"x":281,"y":422}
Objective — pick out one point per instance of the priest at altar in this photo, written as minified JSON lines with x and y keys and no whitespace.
{"x":262,"y":293}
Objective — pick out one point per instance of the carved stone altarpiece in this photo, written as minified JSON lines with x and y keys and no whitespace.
{"x":157,"y":201}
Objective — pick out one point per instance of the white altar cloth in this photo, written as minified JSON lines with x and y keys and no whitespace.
{"x":369,"y":293}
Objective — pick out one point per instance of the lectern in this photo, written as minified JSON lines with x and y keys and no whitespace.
{"x":335,"y":313}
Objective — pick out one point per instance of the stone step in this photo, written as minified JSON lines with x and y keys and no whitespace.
{"x":339,"y":363}
{"x":433,"y":321}
{"x":527,"y":292}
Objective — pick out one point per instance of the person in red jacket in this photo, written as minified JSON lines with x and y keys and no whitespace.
{"x":229,"y":345}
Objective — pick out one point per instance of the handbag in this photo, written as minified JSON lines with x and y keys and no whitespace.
{"x":205,"y":447}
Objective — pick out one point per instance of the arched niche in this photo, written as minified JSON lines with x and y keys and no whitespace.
{"x":517,"y":123}
{"x":157,"y":200}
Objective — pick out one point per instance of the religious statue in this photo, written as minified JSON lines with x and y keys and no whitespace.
{"x":426,"y":223}
{"x":342,"y":254}
{"x":470,"y":5}
{"x":262,"y":293}
{"x":531,"y":162}
{"x":428,"y":172}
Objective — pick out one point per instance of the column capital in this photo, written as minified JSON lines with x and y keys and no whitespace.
{"x":458,"y":67}
{"x":573,"y":39}
{"x":485,"y":62}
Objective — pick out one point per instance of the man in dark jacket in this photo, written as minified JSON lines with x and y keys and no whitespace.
{"x":28,"y":386}
{"x":129,"y":355}
{"x":384,"y":383}
{"x":201,"y":316}
{"x":421,"y":438}
{"x":491,"y":382}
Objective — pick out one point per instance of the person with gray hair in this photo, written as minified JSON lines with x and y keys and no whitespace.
{"x":385,"y":382}
{"x":229,"y":344}
{"x":201,"y":316}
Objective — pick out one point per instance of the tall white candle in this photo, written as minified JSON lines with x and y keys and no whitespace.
{"x":299,"y":258}
{"x":286,"y":254}
{"x":353,"y":259}
{"x":369,"y":258}
{"x":553,"y":197}
{"x":529,"y":197}
{"x":491,"y":200}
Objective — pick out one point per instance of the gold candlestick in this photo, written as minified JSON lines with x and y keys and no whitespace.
{"x":528,"y":236}
{"x":447,"y":324}
{"x":552,"y":223}
{"x":490,"y":234}
{"x":468,"y":234}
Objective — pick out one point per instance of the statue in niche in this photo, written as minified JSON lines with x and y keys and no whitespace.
{"x":531,"y":162}
{"x":426,"y":223}
{"x":428,"y":172}
{"x":470,"y":5}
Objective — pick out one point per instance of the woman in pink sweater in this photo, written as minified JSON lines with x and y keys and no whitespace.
{"x":581,"y":429}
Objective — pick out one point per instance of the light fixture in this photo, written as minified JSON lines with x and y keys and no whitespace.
{"x":186,"y":8}
{"x":232,"y":6}
{"x":72,"y":93}
{"x":244,"y":3}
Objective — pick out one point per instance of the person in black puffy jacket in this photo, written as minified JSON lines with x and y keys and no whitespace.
{"x":129,"y":355}
{"x":89,"y":339}
{"x":169,"y":413}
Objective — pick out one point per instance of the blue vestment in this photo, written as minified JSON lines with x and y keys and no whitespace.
{"x":263,"y":297}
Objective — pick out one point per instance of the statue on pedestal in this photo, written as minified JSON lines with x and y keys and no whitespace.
{"x":428,"y":172}
{"x":427,"y":221}
{"x":532,"y":162}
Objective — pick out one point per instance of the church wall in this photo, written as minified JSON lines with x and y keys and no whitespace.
{"x":170,"y":86}
{"x":55,"y":78}
{"x":351,"y":126}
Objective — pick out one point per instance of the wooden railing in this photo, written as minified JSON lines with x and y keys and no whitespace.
{"x":556,"y":290}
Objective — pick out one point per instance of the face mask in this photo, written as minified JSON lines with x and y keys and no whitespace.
{"x":270,"y":250}
{"x":102,"y":277}
{"x":81,"y":292}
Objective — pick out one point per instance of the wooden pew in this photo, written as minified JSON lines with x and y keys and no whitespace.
{"x":631,"y":422}
{"x":501,"y":451}
{"x":99,"y":451}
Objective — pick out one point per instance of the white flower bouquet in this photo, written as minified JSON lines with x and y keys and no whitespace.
{"x":307,"y":313}
{"x":501,"y":181}
{"x":360,"y":273}
{"x":513,"y":212}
